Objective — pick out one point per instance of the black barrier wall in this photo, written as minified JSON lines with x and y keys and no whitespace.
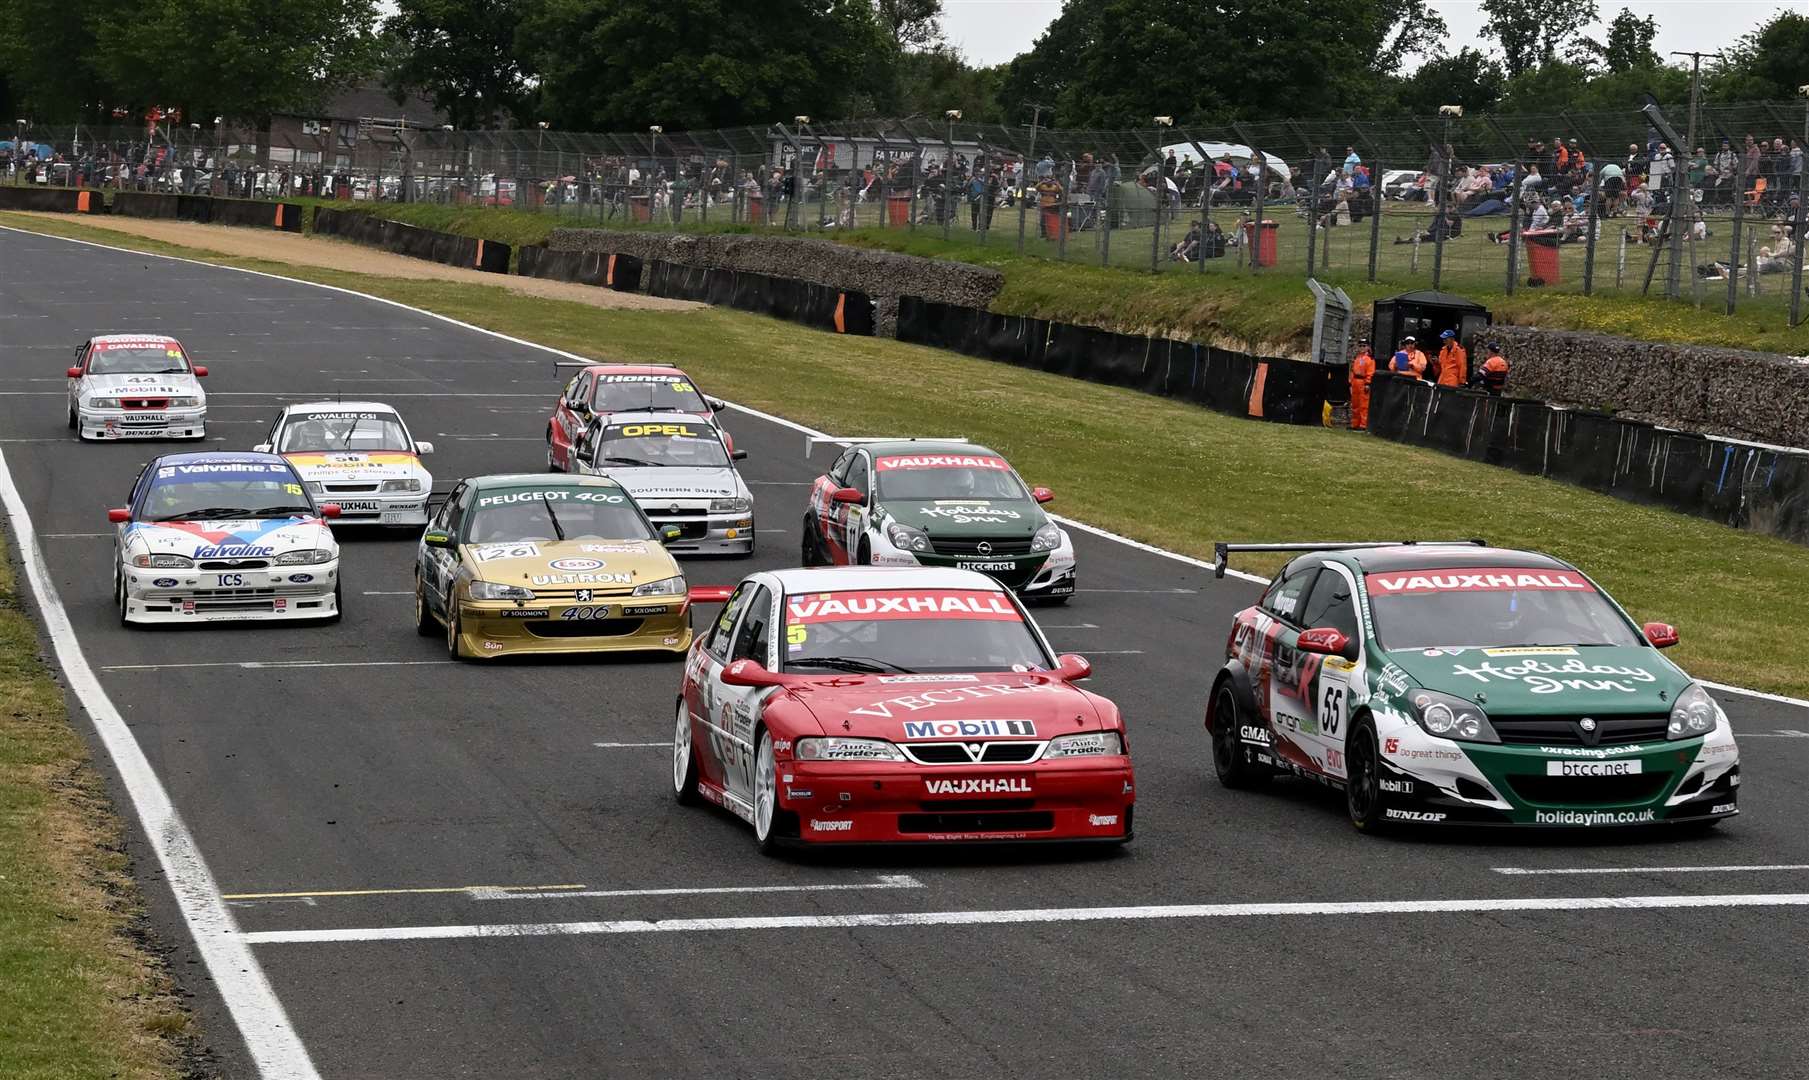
{"x":1752,"y":487}
{"x":489,"y":256}
{"x":619,"y":272}
{"x":206,"y":209}
{"x":1288,"y":391}
{"x":51,"y":200}
{"x":806,"y":302}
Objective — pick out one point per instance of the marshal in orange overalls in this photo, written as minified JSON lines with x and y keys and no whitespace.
{"x":1453,"y":365}
{"x":1362,"y":372}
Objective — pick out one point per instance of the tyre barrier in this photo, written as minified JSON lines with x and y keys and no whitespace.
{"x":360,"y":227}
{"x":209,"y":210}
{"x":145,"y":204}
{"x":1224,"y":380}
{"x":52,"y":200}
{"x":619,"y":272}
{"x":791,"y":299}
{"x":1749,"y":486}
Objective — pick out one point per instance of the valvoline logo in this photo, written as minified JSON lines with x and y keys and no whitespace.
{"x":966,"y":729}
{"x":239,"y":542}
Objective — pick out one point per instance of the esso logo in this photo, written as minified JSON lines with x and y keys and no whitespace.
{"x":576,"y":564}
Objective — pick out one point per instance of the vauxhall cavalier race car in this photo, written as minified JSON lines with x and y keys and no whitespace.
{"x":136,"y":386}
{"x":531,"y":563}
{"x":936,"y":502}
{"x":1462,"y":684}
{"x":359,"y":454}
{"x":213,"y":537}
{"x":681,"y":473}
{"x":873,"y":704}
{"x":597,"y":391}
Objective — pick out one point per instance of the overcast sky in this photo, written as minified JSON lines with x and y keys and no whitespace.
{"x":993,"y":31}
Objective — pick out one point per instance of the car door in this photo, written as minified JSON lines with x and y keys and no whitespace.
{"x":570,"y":418}
{"x":1278,"y":688}
{"x":1326,"y":681}
{"x":738,"y":707}
{"x":822,"y":506}
{"x":706,"y":695}
{"x":440,"y":564}
{"x":852,"y":518}
{"x":81,"y":361}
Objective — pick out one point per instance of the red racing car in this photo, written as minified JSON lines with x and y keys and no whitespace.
{"x":597,"y":390}
{"x":882,"y":704}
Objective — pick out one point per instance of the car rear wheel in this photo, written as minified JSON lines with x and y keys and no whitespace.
{"x":811,"y":552}
{"x":425,"y":624}
{"x":1363,"y":777}
{"x":1234,"y":768}
{"x":684,"y":759}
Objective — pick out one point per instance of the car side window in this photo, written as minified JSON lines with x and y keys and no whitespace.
{"x":1330,"y":604}
{"x":137,"y":488}
{"x":455,"y":509}
{"x":857,"y":474}
{"x":717,"y":644}
{"x":752,"y":639}
{"x":580,"y":394}
{"x":839,"y":471}
{"x":1286,"y":598}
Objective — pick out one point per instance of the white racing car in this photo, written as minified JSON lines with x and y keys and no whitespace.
{"x":213,"y":537}
{"x":681,"y":473}
{"x":135,"y":386}
{"x":360,"y":455}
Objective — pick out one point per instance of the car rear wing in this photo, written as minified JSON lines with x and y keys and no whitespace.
{"x":1221,"y":553}
{"x":811,"y":442}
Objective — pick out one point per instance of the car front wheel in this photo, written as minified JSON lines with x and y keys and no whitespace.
{"x":684,"y":759}
{"x":1363,"y":777}
{"x":455,"y":639}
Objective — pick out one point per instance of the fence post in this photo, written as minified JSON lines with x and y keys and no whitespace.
{"x":1205,"y":226}
{"x":1024,"y":167}
{"x":1620,"y":261}
{"x":1155,"y":234}
{"x":1061,"y":215}
{"x":1797,"y":237}
{"x":1595,"y":187}
{"x":1312,"y":214}
{"x":1438,"y":214}
{"x":1255,"y":239}
{"x":1733,"y":258}
{"x":1518,"y":193}
{"x":1376,"y":198}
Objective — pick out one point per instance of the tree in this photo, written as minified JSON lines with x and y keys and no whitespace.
{"x":914,"y":24}
{"x":1629,"y":44}
{"x":461,"y":56}
{"x":1532,"y":32}
{"x":1769,"y":63}
{"x":47,"y":50}
{"x":1471,"y":79}
{"x":933,"y":80}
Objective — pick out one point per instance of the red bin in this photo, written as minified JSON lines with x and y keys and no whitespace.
{"x":1542,"y":256}
{"x":898,"y":210}
{"x":756,"y":209}
{"x":1265,"y":250}
{"x":642,"y":206}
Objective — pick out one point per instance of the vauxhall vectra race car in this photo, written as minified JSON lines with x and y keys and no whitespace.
{"x":136,"y":386}
{"x":1457,"y":683}
{"x":681,"y":473}
{"x":936,"y":502}
{"x":868,"y":704}
{"x":223,"y":537}
{"x":358,"y":454}
{"x":598,"y":391}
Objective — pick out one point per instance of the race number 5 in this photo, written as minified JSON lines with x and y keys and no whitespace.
{"x":1331,"y":710}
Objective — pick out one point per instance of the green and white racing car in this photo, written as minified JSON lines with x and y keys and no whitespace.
{"x":1455,"y":683}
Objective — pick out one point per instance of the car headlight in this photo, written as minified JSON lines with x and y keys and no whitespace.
{"x":103,"y":403}
{"x":410,"y":484}
{"x":1451,"y":717}
{"x":907,"y":538}
{"x":184,"y":402}
{"x":490,"y":590}
{"x":163,"y":562}
{"x":731,"y":506}
{"x":672,"y":586}
{"x":845,"y":749}
{"x":305,"y":557}
{"x":1086,"y":744}
{"x":1694,"y":714}
{"x":314,"y":487}
{"x":1047,"y":538}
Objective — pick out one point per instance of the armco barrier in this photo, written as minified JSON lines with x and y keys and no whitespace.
{"x":1760,"y":488}
{"x":1272,"y":388}
{"x":51,"y":200}
{"x":821,"y":306}
{"x":619,"y":272}
{"x":488,"y":255}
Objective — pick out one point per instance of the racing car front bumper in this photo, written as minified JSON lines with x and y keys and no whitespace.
{"x":621,"y":624}
{"x":839,"y":802}
{"x":393,"y":508}
{"x":273,"y":594}
{"x":187,"y":423}
{"x":704,"y":533}
{"x":1030,"y":576}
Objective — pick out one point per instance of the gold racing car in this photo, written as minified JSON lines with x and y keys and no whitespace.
{"x":532,"y":563}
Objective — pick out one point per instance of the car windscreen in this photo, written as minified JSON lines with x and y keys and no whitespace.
{"x":946,"y":476}
{"x":554,"y":513}
{"x":646,"y":393}
{"x":908,"y":630}
{"x":1492,"y":607}
{"x":691,"y":444}
{"x":137,"y":358}
{"x":203,"y":490}
{"x":343,"y":431}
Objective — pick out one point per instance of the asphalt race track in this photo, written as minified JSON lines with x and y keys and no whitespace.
{"x":351,"y":782}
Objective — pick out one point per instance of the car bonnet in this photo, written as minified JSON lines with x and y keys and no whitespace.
{"x":253,"y":538}
{"x":570,"y":563}
{"x":331,"y":465}
{"x":145,"y":386}
{"x":676,"y":482}
{"x":969,"y":517}
{"x":979,"y":707}
{"x":1534,"y":680}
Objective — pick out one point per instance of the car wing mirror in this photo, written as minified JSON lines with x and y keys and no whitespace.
{"x":119,"y":515}
{"x":1325,"y":641}
{"x":671,"y":534}
{"x":438,"y":538}
{"x":74,"y":372}
{"x":738,"y":455}
{"x":200,"y":371}
{"x":848,"y":495}
{"x":1042,"y":494}
{"x":423,"y":448}
{"x":261,"y":448}
{"x":752,"y":673}
{"x":329,"y":510}
{"x":1072,"y":667}
{"x":710,"y":594}
{"x":1660,"y":635}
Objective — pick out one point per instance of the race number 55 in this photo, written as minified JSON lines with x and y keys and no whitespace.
{"x":1331,"y":710}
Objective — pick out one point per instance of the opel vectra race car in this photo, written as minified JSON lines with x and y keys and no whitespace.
{"x":548,"y":564}
{"x":135,"y":386}
{"x":936,"y":502}
{"x":681,"y":474}
{"x":889,"y":704}
{"x":360,"y":455}
{"x":599,"y":390}
{"x":1457,"y":683}
{"x":223,"y":537}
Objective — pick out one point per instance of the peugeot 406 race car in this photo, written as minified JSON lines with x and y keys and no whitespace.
{"x":597,"y":391}
{"x":1462,"y":684}
{"x":876,"y":704}
{"x":681,"y":473}
{"x":936,"y":502}
{"x":358,"y":454}
{"x":223,"y":537}
{"x":531,"y":563}
{"x":136,"y":386}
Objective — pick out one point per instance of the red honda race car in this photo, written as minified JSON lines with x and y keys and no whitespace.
{"x":883,"y":704}
{"x":597,"y":390}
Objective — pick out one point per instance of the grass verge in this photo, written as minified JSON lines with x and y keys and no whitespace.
{"x":80,"y":994}
{"x":1165,"y":472}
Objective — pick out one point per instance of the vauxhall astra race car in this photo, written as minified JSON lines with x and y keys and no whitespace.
{"x":936,"y":502}
{"x":360,"y":455}
{"x":872,"y":704}
{"x":136,"y":386}
{"x":599,"y":390}
{"x":681,"y":473}
{"x":223,"y":537}
{"x":1463,"y":684}
{"x":531,"y":563}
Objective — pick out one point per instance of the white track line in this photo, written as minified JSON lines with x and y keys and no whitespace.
{"x":252,"y":665}
{"x":1781,"y":699}
{"x":269,"y":1038}
{"x":1030,"y":915}
{"x":1520,"y":871}
{"x":631,"y":745}
{"x":885,"y":881}
{"x":1781,"y":733}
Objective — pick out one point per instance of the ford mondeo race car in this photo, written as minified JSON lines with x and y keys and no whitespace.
{"x":213,"y":537}
{"x":599,"y":390}
{"x":1458,"y":683}
{"x":936,"y":502}
{"x":136,"y":386}
{"x":360,"y":455}
{"x":549,"y":564}
{"x":890,"y":704}
{"x":680,"y":472}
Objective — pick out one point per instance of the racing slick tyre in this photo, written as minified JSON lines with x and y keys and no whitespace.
{"x":72,"y":420}
{"x":772,"y":825}
{"x":425,"y":624}
{"x":1234,"y":770}
{"x":866,"y":554}
{"x":684,"y":760}
{"x":811,"y":553}
{"x":1363,"y":779}
{"x":455,"y":641}
{"x":119,"y":596}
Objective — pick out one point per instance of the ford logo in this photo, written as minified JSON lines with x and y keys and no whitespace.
{"x":165,"y":583}
{"x":576,"y":564}
{"x":301,"y":579}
